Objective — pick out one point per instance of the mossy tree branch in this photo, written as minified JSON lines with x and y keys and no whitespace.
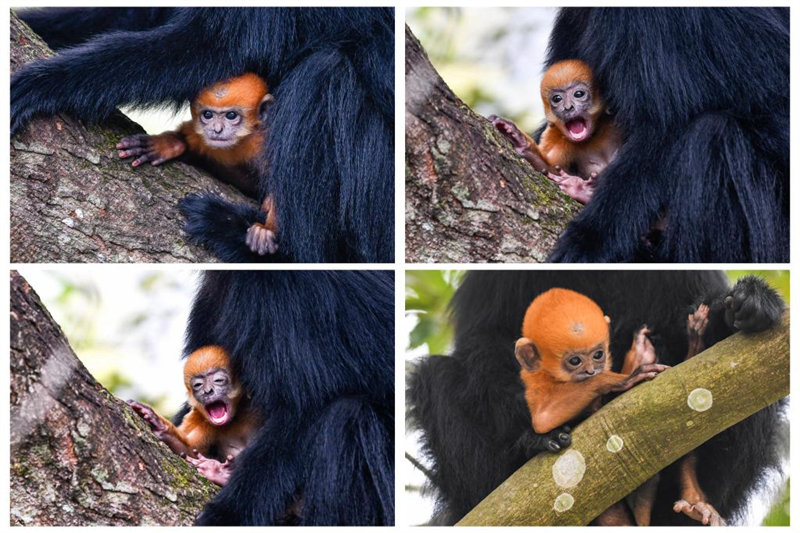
{"x":80,"y":456}
{"x":74,"y":200}
{"x":650,"y":427}
{"x":469,"y":196}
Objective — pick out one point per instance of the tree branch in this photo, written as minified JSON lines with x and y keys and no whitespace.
{"x":469,"y":196}
{"x":80,"y":456}
{"x":660,"y":421}
{"x":74,"y":200}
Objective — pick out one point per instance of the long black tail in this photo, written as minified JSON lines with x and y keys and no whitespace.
{"x":221,"y":226}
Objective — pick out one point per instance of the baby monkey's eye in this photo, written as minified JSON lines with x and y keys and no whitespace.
{"x":230,"y":115}
{"x":598,"y":355}
{"x":556,"y":99}
{"x":574,"y":361}
{"x":580,"y":93}
{"x":208,"y":115}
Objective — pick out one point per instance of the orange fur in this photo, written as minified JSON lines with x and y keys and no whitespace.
{"x":203,"y":359}
{"x":589,"y":156}
{"x":199,"y":434}
{"x":560,"y":323}
{"x":562,"y":74}
{"x":196,"y":433}
{"x":560,"y":320}
{"x":235,"y":155}
{"x":243,"y":94}
{"x":196,"y":430}
{"x":555,"y":147}
{"x":245,"y":91}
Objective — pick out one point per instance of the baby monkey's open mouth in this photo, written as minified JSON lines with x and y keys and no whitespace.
{"x":218,"y":412}
{"x":577,"y":129}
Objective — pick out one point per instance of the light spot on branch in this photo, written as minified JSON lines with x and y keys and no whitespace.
{"x":564,"y":502}
{"x":568,"y":470}
{"x":614,"y":443}
{"x":700,"y":400}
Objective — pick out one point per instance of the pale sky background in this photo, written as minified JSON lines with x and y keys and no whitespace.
{"x":136,"y":332}
{"x":497,"y":52}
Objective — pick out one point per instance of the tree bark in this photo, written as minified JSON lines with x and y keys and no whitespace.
{"x":74,"y":200}
{"x":80,"y":456}
{"x":643,"y":431}
{"x":469,"y":196}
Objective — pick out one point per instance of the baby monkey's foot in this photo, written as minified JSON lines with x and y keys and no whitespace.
{"x":261,"y":240}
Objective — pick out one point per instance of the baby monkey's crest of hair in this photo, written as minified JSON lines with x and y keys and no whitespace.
{"x":204,"y":359}
{"x":245,"y":91}
{"x":560,"y":320}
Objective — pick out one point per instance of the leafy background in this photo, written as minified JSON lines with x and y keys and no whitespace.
{"x":125,"y":325}
{"x":490,"y":57}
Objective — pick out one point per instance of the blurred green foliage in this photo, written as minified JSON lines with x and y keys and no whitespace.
{"x":78,"y":302}
{"x":428,"y":293}
{"x":115,"y":323}
{"x":490,"y":57}
{"x":780,"y":513}
{"x":436,"y":28}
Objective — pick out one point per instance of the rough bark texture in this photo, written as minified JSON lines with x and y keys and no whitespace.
{"x":469,"y":196}
{"x":643,"y":431}
{"x":73,"y":200}
{"x":80,"y":456}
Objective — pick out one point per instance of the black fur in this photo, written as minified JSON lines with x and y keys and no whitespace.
{"x":471,"y":409}
{"x":330,"y":155}
{"x":219,"y":224}
{"x":69,"y":26}
{"x":701,"y":97}
{"x":316,"y":352}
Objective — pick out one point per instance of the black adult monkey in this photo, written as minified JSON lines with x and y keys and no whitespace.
{"x":472,"y":413}
{"x":315,"y":350}
{"x":701,"y":97}
{"x":330,"y":152}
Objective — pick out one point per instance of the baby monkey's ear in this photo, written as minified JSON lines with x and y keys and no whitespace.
{"x":527,"y":354}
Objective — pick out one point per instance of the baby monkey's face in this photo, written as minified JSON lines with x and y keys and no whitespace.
{"x":572,"y":105}
{"x":223,"y":127}
{"x":585,"y":363}
{"x":215,"y":394}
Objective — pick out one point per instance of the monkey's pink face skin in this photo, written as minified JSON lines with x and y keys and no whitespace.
{"x":572,"y":105}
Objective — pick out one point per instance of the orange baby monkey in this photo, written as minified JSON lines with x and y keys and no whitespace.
{"x":580,"y":136}
{"x":565,"y":359}
{"x":221,"y":421}
{"x":225,"y":136}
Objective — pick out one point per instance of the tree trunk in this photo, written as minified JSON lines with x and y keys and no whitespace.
{"x":80,"y":456}
{"x":643,"y":431}
{"x":74,"y":200}
{"x":469,"y":196}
